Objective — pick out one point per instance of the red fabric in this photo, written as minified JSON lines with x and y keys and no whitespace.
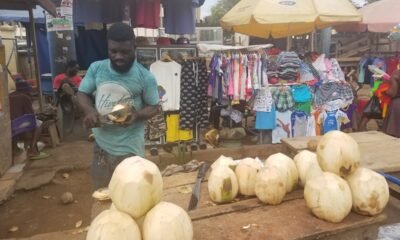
{"x":76,"y":81}
{"x":383,"y":98}
{"x":146,"y":14}
{"x":391,"y":64}
{"x":361,"y":103}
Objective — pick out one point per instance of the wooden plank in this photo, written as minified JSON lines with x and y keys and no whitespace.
{"x":239,"y":206}
{"x":379,"y":151}
{"x":297,"y":144}
{"x":381,"y":156}
{"x":290,"y":220}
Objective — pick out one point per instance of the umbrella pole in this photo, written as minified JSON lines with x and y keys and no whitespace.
{"x":288,"y":43}
{"x":35,"y":54}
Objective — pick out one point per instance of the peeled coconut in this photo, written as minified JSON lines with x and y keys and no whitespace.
{"x":329,"y":197}
{"x":224,"y":161}
{"x":270,"y":185}
{"x":113,"y":224}
{"x":246,"y":173}
{"x":338,"y":153}
{"x":136,"y":186}
{"x":287,"y":166}
{"x":307,"y":166}
{"x":167,"y":221}
{"x":119,"y":113}
{"x":370,"y":191}
{"x":222,"y":185}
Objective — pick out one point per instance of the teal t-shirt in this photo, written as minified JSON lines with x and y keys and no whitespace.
{"x":137,"y":87}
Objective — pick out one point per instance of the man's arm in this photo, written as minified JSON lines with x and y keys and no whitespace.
{"x":145,"y":113}
{"x":91,"y":115}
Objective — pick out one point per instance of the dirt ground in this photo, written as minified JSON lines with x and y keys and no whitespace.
{"x":33,"y":213}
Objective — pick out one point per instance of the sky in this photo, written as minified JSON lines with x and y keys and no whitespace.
{"x":206,"y":8}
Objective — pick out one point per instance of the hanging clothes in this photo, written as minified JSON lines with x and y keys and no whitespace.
{"x":332,"y":120}
{"x":145,"y":14}
{"x":179,"y":17}
{"x":174,"y":133}
{"x":266,"y":120}
{"x":194,"y":100}
{"x":299,"y":123}
{"x":283,"y":98}
{"x":168,"y":76}
{"x":102,"y":11}
{"x":156,"y":126}
{"x":283,"y":127}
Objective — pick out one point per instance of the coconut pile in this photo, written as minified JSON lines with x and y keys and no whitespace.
{"x":333,"y":182}
{"x":137,"y":212}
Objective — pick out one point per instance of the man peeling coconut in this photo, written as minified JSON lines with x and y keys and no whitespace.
{"x":117,"y":80}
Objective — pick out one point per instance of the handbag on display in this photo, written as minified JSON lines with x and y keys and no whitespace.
{"x":373,"y":109}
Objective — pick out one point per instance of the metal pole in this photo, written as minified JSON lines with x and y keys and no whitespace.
{"x":35,"y":54}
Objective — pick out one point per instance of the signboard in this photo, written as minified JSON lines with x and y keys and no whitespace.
{"x":63,"y":21}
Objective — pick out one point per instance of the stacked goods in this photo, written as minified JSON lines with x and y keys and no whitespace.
{"x":344,"y":185}
{"x":333,"y":182}
{"x":136,"y":190}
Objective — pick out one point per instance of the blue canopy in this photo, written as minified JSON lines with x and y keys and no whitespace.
{"x":22,"y":16}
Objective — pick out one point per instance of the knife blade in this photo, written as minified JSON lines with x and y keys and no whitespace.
{"x":195,"y":198}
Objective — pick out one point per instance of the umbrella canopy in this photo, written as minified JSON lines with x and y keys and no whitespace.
{"x":282,"y":18}
{"x":379,"y":17}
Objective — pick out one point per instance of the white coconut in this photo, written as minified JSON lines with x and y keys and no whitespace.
{"x":222,"y":185}
{"x":287,"y":166}
{"x":307,"y":166}
{"x":329,"y":197}
{"x":136,"y":186}
{"x":167,"y":221}
{"x":270,"y":185}
{"x":370,"y":191}
{"x":338,"y":153}
{"x":113,"y":224}
{"x":246,"y":173}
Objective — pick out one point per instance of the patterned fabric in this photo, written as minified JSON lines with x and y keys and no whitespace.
{"x":156,"y":126}
{"x":194,"y":101}
{"x":283,"y":99}
{"x":332,"y":91}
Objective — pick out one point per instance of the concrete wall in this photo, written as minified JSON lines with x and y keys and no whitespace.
{"x":5,"y":125}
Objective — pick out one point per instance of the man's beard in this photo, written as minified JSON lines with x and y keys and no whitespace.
{"x":124,"y":68}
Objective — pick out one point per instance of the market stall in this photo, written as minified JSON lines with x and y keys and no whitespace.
{"x":6,"y":158}
{"x":249,"y":217}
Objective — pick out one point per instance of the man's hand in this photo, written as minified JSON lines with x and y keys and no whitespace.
{"x":91,"y":119}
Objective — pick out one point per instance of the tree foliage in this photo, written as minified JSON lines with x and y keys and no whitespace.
{"x":219,"y":10}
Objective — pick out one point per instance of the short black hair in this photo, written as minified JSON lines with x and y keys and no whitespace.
{"x":120,"y":32}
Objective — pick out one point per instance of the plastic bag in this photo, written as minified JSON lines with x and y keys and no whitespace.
{"x":390,"y":232}
{"x":373,"y":109}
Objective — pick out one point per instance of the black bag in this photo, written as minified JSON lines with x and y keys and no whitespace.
{"x":373,"y":109}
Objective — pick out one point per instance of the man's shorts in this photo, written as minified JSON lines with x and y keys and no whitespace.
{"x":103,"y":166}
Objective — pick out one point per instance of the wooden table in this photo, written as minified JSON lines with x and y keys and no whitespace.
{"x":251,"y":219}
{"x":379,"y":151}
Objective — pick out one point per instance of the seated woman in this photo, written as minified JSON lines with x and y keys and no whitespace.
{"x":391,"y":124}
{"x":21,"y":104}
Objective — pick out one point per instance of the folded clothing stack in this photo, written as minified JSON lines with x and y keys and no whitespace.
{"x":289,"y":64}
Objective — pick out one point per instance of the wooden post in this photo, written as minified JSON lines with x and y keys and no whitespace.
{"x":5,"y":124}
{"x":35,"y":54}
